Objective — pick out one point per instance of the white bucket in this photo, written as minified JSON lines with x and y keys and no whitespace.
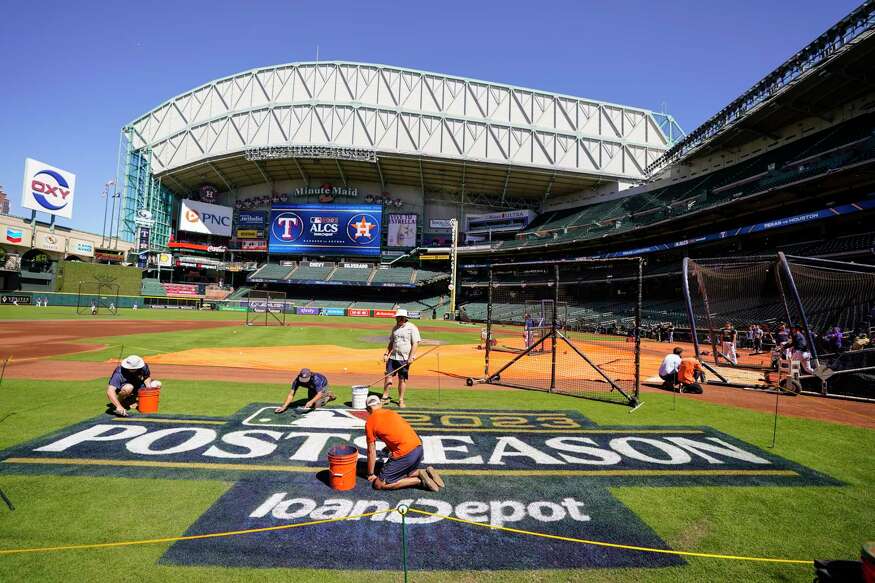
{"x":359,"y":396}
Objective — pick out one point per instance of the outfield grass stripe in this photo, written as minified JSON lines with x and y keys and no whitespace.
{"x":171,"y":539}
{"x":179,"y":421}
{"x":449,"y":472}
{"x":616,"y":545}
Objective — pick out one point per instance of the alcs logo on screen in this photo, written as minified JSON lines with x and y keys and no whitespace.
{"x":324,"y":226}
{"x":50,"y":190}
{"x":362,"y":229}
{"x":287,"y":227}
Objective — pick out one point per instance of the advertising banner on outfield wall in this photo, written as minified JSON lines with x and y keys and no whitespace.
{"x":384,"y":313}
{"x":252,"y":220}
{"x":402,"y":231}
{"x":301,"y":311}
{"x":253,"y":245}
{"x":49,"y":242}
{"x":164,"y":260}
{"x":325,"y":230}
{"x":16,"y":236}
{"x":209,"y":219}
{"x":332,"y":311}
{"x":80,"y":247}
{"x":358,"y":312}
{"x":48,"y":189}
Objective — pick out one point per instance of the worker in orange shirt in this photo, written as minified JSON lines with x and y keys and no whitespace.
{"x":690,"y":373}
{"x":401,"y":470}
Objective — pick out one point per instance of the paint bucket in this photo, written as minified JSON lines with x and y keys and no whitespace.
{"x":868,"y":556}
{"x":147,"y":400}
{"x":342,"y":460}
{"x":359,"y":396}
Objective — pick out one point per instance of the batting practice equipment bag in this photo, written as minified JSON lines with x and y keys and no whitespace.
{"x":838,"y":572}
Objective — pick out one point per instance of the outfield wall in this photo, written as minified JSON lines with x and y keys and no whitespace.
{"x":71,"y":273}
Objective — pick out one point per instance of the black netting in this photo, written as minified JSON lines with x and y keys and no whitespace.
{"x":568,"y":327}
{"x":831,"y":303}
{"x":266,"y":308}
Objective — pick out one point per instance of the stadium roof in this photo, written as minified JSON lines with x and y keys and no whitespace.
{"x":388,"y":125}
{"x":835,"y":68}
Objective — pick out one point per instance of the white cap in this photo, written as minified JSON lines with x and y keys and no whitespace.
{"x":372,"y":401}
{"x":133,"y":362}
{"x":401,"y":313}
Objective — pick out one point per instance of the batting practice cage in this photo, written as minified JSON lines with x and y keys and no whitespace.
{"x":569,"y":327}
{"x":266,"y":308}
{"x":768,"y":299}
{"x":97,"y":297}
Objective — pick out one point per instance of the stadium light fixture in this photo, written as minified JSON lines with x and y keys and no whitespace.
{"x":311,"y":152}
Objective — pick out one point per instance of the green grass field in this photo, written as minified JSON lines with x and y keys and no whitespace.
{"x":780,"y":522}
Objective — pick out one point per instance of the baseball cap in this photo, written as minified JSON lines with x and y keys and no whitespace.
{"x":372,"y":400}
{"x":401,"y":313}
{"x":304,"y":375}
{"x":133,"y":362}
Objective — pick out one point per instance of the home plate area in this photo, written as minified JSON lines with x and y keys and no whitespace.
{"x":545,"y":473}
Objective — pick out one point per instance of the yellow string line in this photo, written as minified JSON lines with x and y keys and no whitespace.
{"x":614,"y":545}
{"x":189,"y":537}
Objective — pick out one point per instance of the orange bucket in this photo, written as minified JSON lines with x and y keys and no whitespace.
{"x":342,"y":460}
{"x":147,"y":400}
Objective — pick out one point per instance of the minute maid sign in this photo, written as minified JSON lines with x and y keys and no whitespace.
{"x":546,"y":471}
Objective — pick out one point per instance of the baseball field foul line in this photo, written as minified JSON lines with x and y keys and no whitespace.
{"x":615,"y":545}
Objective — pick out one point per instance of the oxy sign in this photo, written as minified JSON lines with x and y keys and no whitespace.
{"x":201,"y":217}
{"x":48,"y":189}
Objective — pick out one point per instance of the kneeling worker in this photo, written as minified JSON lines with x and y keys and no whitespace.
{"x":690,"y":373}
{"x":127,"y":379}
{"x":317,"y":390}
{"x":401,"y":470}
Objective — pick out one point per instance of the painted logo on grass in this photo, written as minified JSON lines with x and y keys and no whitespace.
{"x":546,"y":471}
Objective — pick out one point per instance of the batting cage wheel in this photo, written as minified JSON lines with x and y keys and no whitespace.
{"x":469,"y":381}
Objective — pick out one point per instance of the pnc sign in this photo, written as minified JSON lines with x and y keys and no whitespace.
{"x":48,"y":189}
{"x":542,"y":471}
{"x":201,"y":217}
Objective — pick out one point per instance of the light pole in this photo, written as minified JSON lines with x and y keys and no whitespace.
{"x":105,"y":196}
{"x":454,"y":224}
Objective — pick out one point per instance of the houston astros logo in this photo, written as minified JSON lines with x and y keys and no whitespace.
{"x":362,"y":229}
{"x":287,"y":227}
{"x":50,"y":190}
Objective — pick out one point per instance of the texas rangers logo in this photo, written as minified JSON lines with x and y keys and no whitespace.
{"x":362,"y":228}
{"x":50,"y":190}
{"x":287,"y":227}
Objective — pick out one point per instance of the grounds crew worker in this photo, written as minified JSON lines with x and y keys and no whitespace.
{"x":401,"y":351}
{"x":127,"y":379}
{"x":317,"y":390}
{"x":401,"y":470}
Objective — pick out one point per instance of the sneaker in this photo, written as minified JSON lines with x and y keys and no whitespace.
{"x":427,"y":482}
{"x":436,"y":477}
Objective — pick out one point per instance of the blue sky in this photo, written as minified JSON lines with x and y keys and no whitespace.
{"x":73,"y":73}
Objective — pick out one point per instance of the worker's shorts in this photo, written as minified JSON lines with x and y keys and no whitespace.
{"x":395,"y":469}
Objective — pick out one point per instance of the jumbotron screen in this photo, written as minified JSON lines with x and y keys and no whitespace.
{"x":319,"y":229}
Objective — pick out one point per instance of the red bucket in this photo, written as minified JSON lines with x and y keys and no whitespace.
{"x":342,"y":460}
{"x":147,"y":400}
{"x":868,"y":557}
